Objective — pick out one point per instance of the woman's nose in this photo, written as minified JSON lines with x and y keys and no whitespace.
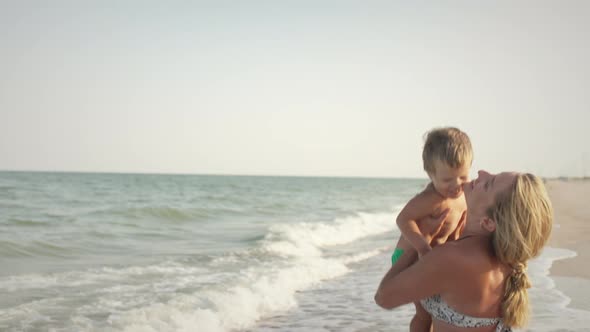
{"x":482,"y":174}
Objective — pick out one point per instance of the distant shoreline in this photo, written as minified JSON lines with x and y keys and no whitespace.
{"x":219,"y":174}
{"x":569,"y":178}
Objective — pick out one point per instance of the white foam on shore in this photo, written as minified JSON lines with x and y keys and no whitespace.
{"x":228,"y":294}
{"x":550,"y":311}
{"x":269,"y":286}
{"x":236,"y":306}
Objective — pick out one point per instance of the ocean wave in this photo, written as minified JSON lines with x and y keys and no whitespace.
{"x":158,"y":212}
{"x":299,"y":263}
{"x":164,"y":212}
{"x":237,"y":305}
{"x":26,"y":223}
{"x":364,"y":255}
{"x":97,"y":293}
{"x":35,"y":248}
{"x":231,"y":292}
{"x":93,"y":276}
{"x":307,"y":239}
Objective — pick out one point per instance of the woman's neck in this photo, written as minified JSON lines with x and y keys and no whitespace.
{"x":473,"y":229}
{"x":479,"y":237}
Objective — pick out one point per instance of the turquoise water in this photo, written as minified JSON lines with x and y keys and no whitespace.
{"x":93,"y":251}
{"x":105,"y":218}
{"x":136,"y":252}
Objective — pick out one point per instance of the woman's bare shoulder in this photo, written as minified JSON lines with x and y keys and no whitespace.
{"x":471,"y":255}
{"x":457,"y":255}
{"x":449,"y":255}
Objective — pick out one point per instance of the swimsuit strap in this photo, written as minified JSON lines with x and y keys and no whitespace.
{"x":502,"y":328}
{"x":440,"y":310}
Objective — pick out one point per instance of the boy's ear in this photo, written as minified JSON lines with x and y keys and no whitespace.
{"x":488,"y":224}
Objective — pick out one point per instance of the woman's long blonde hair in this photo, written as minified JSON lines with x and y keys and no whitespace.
{"x":524,"y":218}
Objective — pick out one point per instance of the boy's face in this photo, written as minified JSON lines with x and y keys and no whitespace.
{"x":448,"y":181}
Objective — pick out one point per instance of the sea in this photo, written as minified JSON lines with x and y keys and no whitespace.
{"x":154,"y":252}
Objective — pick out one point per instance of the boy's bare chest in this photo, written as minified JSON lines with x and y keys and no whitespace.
{"x":456,"y":209}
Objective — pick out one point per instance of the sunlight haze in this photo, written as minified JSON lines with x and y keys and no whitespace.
{"x":328,"y":88}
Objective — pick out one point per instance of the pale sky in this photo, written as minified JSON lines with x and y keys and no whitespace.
{"x":326,"y":88}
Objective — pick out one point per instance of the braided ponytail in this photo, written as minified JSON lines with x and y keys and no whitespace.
{"x":524,"y":218}
{"x":515,"y":304}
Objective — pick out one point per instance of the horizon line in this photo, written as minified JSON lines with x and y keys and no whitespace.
{"x":213,"y":174}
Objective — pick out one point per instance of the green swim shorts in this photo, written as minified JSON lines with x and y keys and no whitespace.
{"x":396,"y":255}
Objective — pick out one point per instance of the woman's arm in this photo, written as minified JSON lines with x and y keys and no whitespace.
{"x":430,"y":275}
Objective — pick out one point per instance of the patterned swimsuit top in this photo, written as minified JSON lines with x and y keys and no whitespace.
{"x":440,"y":310}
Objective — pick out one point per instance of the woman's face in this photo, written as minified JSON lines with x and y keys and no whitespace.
{"x":481,"y":192}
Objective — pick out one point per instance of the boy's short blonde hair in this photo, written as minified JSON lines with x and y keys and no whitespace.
{"x":448,"y":145}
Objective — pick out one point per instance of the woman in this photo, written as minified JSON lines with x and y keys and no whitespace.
{"x":479,"y":283}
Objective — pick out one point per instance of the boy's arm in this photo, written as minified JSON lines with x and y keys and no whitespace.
{"x":419,"y":207}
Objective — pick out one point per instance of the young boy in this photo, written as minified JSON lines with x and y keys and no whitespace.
{"x":447,"y":157}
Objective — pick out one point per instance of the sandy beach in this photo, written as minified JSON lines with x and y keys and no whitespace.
{"x":571,"y":231}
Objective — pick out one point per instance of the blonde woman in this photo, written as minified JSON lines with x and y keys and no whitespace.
{"x":479,"y":282}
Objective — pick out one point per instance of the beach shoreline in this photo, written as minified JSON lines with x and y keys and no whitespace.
{"x":571,"y":230}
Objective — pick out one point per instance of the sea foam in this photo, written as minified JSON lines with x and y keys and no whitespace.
{"x":550,"y":306}
{"x":267,"y":287}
